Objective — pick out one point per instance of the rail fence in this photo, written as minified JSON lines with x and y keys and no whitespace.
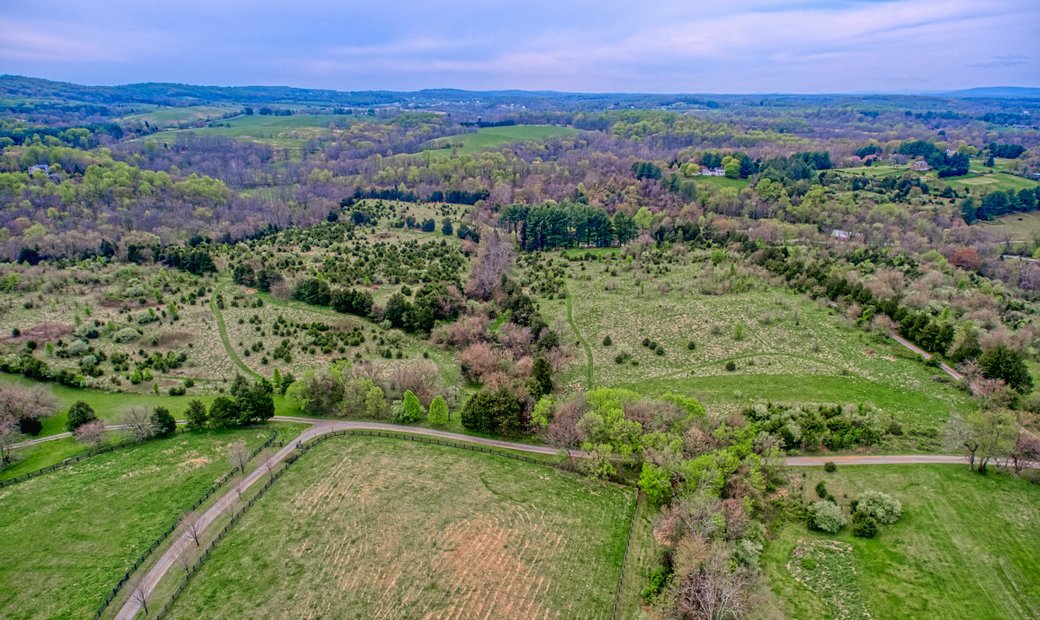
{"x":173,"y":526}
{"x":72,"y":460}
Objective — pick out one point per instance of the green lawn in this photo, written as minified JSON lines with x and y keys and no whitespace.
{"x":737,"y":184}
{"x":491,"y":137}
{"x":375,"y":527}
{"x":68,"y":536}
{"x":966,"y":547}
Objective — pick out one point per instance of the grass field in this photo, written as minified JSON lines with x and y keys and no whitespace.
{"x":1020,"y":227}
{"x":491,"y":137}
{"x":171,"y":116}
{"x":68,"y":536}
{"x":290,"y":132}
{"x":966,"y":547}
{"x":784,"y":347}
{"x":379,"y":528}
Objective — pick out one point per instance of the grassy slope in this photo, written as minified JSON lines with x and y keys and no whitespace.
{"x":804,"y":353}
{"x":69,"y":535}
{"x":966,"y":546}
{"x":350,"y":528}
{"x":1018,"y":226}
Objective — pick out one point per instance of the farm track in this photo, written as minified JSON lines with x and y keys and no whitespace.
{"x":321,"y":427}
{"x":918,"y":350}
{"x":217,"y":314}
{"x":584,"y":343}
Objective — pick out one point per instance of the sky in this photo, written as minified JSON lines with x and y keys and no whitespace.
{"x":694,"y":46}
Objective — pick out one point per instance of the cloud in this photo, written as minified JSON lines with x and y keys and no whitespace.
{"x":602,"y":45}
{"x":1004,"y":60}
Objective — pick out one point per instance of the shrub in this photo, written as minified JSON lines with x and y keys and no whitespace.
{"x":163,"y":422}
{"x":731,"y":366}
{"x":125,"y":335}
{"x":881,"y":506}
{"x":864,"y":525}
{"x":79,"y":414}
{"x":821,"y":490}
{"x":438,"y":415}
{"x":197,"y":416}
{"x":656,"y":482}
{"x":830,"y":467}
{"x":691,"y":345}
{"x":826,"y":516}
{"x":411,"y":409}
{"x":177,"y":390}
{"x":607,"y":341}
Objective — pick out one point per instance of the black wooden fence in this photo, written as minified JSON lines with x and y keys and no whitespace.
{"x":72,"y":460}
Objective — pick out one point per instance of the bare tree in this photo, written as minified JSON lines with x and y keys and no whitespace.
{"x":185,"y":560}
{"x":960,"y":435}
{"x":238,"y":454}
{"x":138,"y":420}
{"x":714,"y":590}
{"x":91,"y":434}
{"x":494,"y":260}
{"x":193,"y":527}
{"x":139,"y":595}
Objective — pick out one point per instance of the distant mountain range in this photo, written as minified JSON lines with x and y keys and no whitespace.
{"x":14,"y":88}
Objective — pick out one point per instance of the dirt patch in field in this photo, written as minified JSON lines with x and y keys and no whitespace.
{"x":196,"y":462}
{"x":43,"y":332}
{"x":481,"y":551}
{"x":172,"y":339}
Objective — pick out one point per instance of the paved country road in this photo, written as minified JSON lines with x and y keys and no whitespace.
{"x":320,"y":427}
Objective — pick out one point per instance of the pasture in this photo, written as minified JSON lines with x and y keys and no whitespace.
{"x":162,"y":116}
{"x":491,"y":137}
{"x":70,"y":535}
{"x":730,"y":338}
{"x":289,"y":132}
{"x":367,"y":527}
{"x":1019,"y":227}
{"x":965,"y":547}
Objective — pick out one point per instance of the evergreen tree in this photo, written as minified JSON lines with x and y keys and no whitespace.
{"x":197,"y":416}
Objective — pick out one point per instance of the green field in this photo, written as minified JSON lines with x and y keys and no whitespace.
{"x":171,"y":116}
{"x":788,"y":349}
{"x":491,"y":137}
{"x":1019,"y":227}
{"x":71,"y":534}
{"x":373,"y":527}
{"x":965,"y":547}
{"x":285,"y":131}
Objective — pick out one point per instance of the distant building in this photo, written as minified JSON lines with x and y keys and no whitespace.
{"x":920,"y":165}
{"x":712,"y":172}
{"x":844,"y":235}
{"x":45,"y":168}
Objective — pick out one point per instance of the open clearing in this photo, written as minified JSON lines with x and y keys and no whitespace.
{"x":491,"y":137}
{"x":71,"y":534}
{"x":965,"y":547}
{"x":784,"y":347}
{"x":380,"y":528}
{"x":291,"y":132}
{"x":1019,"y":227}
